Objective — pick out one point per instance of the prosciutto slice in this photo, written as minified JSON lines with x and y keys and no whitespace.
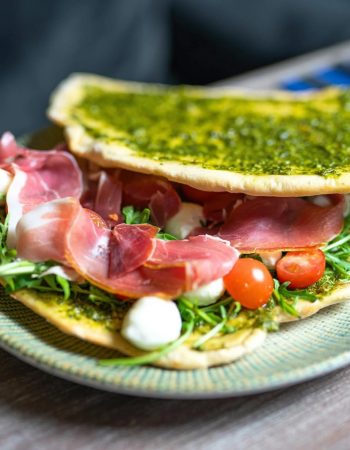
{"x":147,"y":191}
{"x":38,"y":177}
{"x":219,"y":206}
{"x":88,"y":252}
{"x":127,"y":260}
{"x":108,"y":198}
{"x":130,"y":246}
{"x":278,"y":223}
{"x":204,"y":258}
{"x":40,"y":232}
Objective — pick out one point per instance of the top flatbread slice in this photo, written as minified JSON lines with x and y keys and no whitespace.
{"x":320,"y":123}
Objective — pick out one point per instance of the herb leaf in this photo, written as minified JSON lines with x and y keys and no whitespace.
{"x":166,"y":236}
{"x":287,"y":299}
{"x":134,"y":216}
{"x":337,"y":252}
{"x":64,"y":285}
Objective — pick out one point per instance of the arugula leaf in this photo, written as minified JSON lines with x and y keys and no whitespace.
{"x":223,"y":317}
{"x":166,"y":237}
{"x":64,"y":285}
{"x":287,"y":299}
{"x":134,"y":216}
{"x":297,"y":294}
{"x":337,"y":252}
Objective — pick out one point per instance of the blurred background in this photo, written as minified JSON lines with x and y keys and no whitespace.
{"x":167,"y":41}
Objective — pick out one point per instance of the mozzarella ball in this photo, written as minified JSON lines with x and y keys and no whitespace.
{"x":320,"y":200}
{"x":270,"y":258}
{"x":207,"y":294}
{"x":5,"y":181}
{"x":347,"y":205}
{"x":151,"y":322}
{"x":185,"y":220}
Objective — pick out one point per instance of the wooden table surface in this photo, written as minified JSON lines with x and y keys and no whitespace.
{"x":39,"y":411}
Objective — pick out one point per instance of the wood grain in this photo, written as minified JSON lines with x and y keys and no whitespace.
{"x":39,"y":411}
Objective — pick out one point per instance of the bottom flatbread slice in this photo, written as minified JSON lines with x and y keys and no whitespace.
{"x":339,"y":294}
{"x":106,"y":331}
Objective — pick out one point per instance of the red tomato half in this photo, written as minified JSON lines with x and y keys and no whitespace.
{"x":301,"y":269}
{"x":249,"y":283}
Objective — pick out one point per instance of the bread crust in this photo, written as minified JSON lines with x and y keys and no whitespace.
{"x":111,"y":155}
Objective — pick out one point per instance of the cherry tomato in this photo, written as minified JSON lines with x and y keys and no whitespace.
{"x":250,"y":283}
{"x":302,"y":268}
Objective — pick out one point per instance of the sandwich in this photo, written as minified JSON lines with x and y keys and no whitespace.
{"x":179,"y":226}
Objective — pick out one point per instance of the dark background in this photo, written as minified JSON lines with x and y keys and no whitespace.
{"x":168,"y":41}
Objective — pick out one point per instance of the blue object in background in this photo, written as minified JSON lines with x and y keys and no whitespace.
{"x":333,"y":76}
{"x":328,"y":76}
{"x":296,"y":84}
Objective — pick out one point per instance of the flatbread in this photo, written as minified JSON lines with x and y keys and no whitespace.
{"x":111,"y":151}
{"x":222,"y":350}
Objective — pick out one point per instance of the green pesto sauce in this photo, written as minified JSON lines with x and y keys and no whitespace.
{"x":109,"y":315}
{"x":255,"y":136}
{"x":326,"y":284}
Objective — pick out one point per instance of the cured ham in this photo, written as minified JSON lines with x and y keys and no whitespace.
{"x":8,"y":148}
{"x":136,"y":270}
{"x":220,"y":205}
{"x":63,"y":231}
{"x":38,"y":177}
{"x":147,"y":191}
{"x":130,"y":247}
{"x":126,"y":260}
{"x":205,"y":258}
{"x":88,"y":252}
{"x":108,"y":198}
{"x":278,"y":223}
{"x":40,"y":232}
{"x":216,"y":205}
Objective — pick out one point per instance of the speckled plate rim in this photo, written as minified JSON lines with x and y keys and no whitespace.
{"x":314,"y":371}
{"x":265,"y":384}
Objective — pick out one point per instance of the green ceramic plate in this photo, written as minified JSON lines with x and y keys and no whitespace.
{"x":300,"y":351}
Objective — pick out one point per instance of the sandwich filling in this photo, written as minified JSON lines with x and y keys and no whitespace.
{"x":172,"y":263}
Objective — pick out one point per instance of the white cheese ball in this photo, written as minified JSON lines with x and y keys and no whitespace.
{"x":207,"y":294}
{"x":320,"y":200}
{"x":347,"y":205}
{"x":5,"y":181}
{"x":185,"y":220}
{"x":151,"y":322}
{"x":270,"y":259}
